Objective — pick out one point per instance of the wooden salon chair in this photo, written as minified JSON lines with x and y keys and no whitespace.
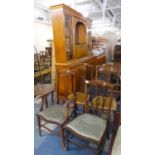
{"x":92,"y":126}
{"x":58,"y":113}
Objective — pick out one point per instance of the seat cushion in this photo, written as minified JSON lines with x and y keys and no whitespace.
{"x":100,"y":102}
{"x":88,"y":125}
{"x":55,"y":113}
{"x":80,"y":98}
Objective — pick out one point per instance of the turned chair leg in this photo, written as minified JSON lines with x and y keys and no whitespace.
{"x":67,"y":141}
{"x":39,"y":125}
{"x":62,"y":137}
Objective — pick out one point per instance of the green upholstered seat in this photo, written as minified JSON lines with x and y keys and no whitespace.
{"x":55,"y":113}
{"x":88,"y":125}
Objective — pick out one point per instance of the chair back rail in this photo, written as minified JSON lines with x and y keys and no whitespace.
{"x":101,"y":95}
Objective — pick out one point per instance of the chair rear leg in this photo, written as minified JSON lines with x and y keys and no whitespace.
{"x":39,"y":124}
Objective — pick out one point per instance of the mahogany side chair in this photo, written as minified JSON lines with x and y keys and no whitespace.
{"x":58,"y":113}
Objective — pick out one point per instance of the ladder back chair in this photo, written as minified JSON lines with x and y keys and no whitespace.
{"x":92,"y":126}
{"x":58,"y":113}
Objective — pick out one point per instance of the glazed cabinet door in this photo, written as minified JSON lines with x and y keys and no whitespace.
{"x":69,"y":37}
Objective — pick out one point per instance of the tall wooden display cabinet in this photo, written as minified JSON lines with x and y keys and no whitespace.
{"x":71,"y":38}
{"x":69,"y":33}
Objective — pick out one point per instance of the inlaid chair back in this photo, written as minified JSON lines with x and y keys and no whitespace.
{"x":65,"y":84}
{"x":101,"y":97}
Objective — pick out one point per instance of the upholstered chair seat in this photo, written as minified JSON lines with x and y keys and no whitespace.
{"x":55,"y":113}
{"x":89,"y":126}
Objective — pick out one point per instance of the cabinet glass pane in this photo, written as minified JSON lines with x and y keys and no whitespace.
{"x":69,"y":37}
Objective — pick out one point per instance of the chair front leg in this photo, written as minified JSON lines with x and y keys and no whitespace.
{"x":62,"y":137}
{"x":39,"y":124}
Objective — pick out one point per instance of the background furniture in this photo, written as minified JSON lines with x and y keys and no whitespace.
{"x":110,"y":73}
{"x":86,"y":73}
{"x":43,"y":66}
{"x":117,"y":53}
{"x":70,"y":33}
